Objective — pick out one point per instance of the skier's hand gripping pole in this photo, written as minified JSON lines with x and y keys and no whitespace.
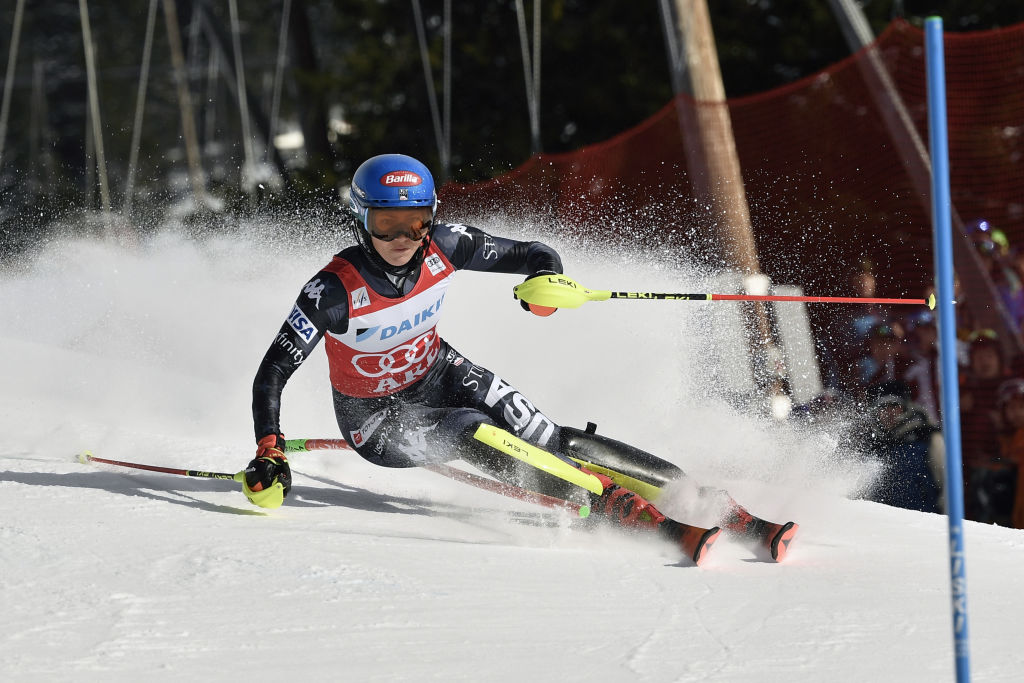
{"x":268,"y":477}
{"x":536,"y":309}
{"x":265,"y":482}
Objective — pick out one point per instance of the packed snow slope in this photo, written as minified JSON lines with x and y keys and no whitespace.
{"x":147,"y":353}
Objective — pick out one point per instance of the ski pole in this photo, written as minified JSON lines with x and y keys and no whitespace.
{"x":306,"y":445}
{"x":508,"y":490}
{"x":88,"y":457}
{"x":559,"y":291}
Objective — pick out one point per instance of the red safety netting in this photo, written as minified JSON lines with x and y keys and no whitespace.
{"x":823,"y":175}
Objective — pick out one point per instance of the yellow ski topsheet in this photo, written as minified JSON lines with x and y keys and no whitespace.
{"x":536,"y":456}
{"x":645,"y":490}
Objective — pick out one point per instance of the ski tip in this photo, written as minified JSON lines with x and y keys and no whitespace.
{"x":781,"y":540}
{"x":707,"y":540}
{"x":694,"y":541}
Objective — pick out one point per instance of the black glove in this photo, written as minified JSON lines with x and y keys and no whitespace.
{"x":268,"y":478}
{"x":542,"y":311}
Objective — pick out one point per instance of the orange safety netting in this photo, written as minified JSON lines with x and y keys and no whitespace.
{"x":823,"y":175}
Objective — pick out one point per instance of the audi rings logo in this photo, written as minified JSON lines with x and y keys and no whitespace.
{"x":397,"y":359}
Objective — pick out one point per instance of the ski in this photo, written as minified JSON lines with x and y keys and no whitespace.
{"x":695,"y":541}
{"x":509,"y":490}
{"x":773,"y":537}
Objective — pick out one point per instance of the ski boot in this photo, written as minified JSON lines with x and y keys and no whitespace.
{"x":632,"y":510}
{"x":773,"y":537}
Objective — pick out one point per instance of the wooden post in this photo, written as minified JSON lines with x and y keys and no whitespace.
{"x":249,"y":172}
{"x":282,"y":57}
{"x":94,"y":109}
{"x":188,"y":124}
{"x":140,"y":104}
{"x":96,"y":128}
{"x":531,"y":70}
{"x":718,"y":183}
{"x":727,"y":196}
{"x":34,"y":124}
{"x":12,"y":58}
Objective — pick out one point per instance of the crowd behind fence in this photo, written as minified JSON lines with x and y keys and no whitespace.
{"x":883,"y":365}
{"x":835,"y":211}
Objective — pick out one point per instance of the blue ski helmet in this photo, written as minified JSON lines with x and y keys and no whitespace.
{"x":390,"y":181}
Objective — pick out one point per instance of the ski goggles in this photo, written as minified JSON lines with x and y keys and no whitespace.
{"x":387,"y":224}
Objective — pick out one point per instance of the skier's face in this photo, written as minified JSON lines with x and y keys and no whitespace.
{"x":398,"y":251}
{"x":398,"y":233}
{"x":1014,"y":412}
{"x":986,"y":362}
{"x":927,"y":335}
{"x":889,"y":415}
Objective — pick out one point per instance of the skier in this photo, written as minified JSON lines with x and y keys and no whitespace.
{"x":402,"y":395}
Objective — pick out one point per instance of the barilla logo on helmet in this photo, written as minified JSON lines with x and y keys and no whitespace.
{"x":401,"y":179}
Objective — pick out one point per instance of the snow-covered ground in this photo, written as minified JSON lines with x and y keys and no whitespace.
{"x":368,"y":574}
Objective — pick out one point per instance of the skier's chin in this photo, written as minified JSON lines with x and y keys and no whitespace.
{"x":398,"y":252}
{"x":399,"y":257}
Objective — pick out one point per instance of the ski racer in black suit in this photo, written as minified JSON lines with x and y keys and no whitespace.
{"x":402,"y":395}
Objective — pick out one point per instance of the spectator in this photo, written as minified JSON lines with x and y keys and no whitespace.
{"x":849,"y":331}
{"x":980,"y":421}
{"x":994,"y":249}
{"x":922,"y":371}
{"x":966,"y":320}
{"x":1016,"y":261}
{"x":883,"y":361}
{"x":909,"y":446}
{"x":1008,"y":491}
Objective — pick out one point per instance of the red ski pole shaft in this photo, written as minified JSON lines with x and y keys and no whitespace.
{"x":661,"y":296}
{"x":89,"y":457}
{"x":820,"y":299}
{"x":509,"y":490}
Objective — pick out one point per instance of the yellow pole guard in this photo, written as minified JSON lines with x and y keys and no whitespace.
{"x":557,"y":291}
{"x":536,"y":456}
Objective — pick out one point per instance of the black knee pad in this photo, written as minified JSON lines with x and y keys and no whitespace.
{"x":616,"y":455}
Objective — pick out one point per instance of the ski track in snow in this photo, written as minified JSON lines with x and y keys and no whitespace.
{"x":369,"y":574}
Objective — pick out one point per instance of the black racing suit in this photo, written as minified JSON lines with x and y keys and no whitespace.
{"x":431,"y":418}
{"x":419,"y":401}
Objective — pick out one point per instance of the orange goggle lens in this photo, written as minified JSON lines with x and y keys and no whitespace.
{"x":390,"y":224}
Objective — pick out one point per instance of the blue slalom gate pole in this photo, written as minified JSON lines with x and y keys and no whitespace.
{"x":942,"y":231}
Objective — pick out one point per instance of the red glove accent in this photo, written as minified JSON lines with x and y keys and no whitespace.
{"x":270,"y":446}
{"x":270,"y":465}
